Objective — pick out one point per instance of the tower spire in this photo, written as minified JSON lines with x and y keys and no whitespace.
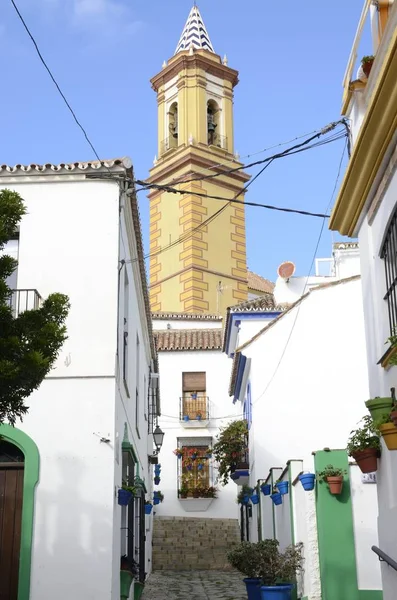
{"x":194,"y":33}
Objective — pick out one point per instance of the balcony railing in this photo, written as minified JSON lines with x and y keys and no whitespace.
{"x":194,"y":408}
{"x":21,"y":300}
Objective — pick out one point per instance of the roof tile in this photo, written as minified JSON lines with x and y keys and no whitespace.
{"x":188,"y":339}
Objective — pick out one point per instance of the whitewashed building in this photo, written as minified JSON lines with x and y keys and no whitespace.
{"x":366,"y":208}
{"x":294,"y":354}
{"x":90,"y":423}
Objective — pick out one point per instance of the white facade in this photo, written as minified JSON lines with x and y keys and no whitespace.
{"x":79,"y":237}
{"x":216,"y":366}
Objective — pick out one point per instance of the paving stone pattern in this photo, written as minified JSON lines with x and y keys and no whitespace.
{"x":188,"y":543}
{"x":195,"y":585}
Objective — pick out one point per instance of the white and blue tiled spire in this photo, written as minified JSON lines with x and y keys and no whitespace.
{"x":194,"y":33}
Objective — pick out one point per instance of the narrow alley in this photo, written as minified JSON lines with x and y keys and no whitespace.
{"x":194,"y":585}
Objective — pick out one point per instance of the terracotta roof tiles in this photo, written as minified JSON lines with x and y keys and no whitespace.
{"x":188,"y":339}
{"x":259,"y":283}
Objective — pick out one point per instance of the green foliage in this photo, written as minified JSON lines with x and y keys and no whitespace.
{"x":364,"y":437}
{"x":367,"y":59}
{"x":331,"y":471}
{"x":245,"y":490}
{"x":392,"y":340}
{"x":230,"y":447}
{"x":29,"y":343}
{"x":265,"y":561}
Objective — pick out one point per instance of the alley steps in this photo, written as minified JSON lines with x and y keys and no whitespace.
{"x":189,"y":543}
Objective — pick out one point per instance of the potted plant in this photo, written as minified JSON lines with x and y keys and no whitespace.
{"x":266,"y":489}
{"x":208,"y":453}
{"x":246,"y":558}
{"x":282,"y":486}
{"x":307,"y":480}
{"x":148,"y":507}
{"x":126,"y":493}
{"x":178,"y":452}
{"x":379,"y":407}
{"x":193,"y":395}
{"x":196,"y":492}
{"x":255,"y":498}
{"x":388,"y":431}
{"x":366,"y":64}
{"x":276,"y":496}
{"x":244,"y":495}
{"x":333,"y":476}
{"x":156,"y":480}
{"x":128,"y":572}
{"x":157,"y":497}
{"x":230,"y":449}
{"x":364,"y":446}
{"x":209,"y":492}
{"x":199,"y":415}
{"x":186,"y":418}
{"x":183,"y":492}
{"x":279,"y":571}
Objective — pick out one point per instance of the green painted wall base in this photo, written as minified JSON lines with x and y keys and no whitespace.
{"x":138,"y":589}
{"x":336,"y":546}
{"x":125,"y":584}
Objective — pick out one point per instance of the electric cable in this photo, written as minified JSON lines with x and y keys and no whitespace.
{"x":307,"y":280}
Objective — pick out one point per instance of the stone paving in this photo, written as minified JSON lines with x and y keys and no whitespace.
{"x":195,"y":585}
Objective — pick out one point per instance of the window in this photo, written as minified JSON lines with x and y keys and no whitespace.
{"x":195,"y":467}
{"x":194,"y":395}
{"x":389,"y":255}
{"x":125,"y":330}
{"x":137,"y":380}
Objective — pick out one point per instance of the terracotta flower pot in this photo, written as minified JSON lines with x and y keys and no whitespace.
{"x":366,"y":459}
{"x":389,"y":434}
{"x":335,"y":484}
{"x":393,"y":417}
{"x":367,"y":66}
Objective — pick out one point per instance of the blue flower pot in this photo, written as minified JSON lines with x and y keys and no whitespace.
{"x":266,"y":489}
{"x":277,"y":498}
{"x":198,"y":418}
{"x":200,"y":467}
{"x":156,"y":480}
{"x":307,"y":480}
{"x":124,"y":497}
{"x":245,"y":500}
{"x":186,"y":418}
{"x":189,"y":467}
{"x":194,"y":456}
{"x":276,"y":592}
{"x":253,"y":586}
{"x":148,"y":509}
{"x":282,"y":487}
{"x":156,"y":501}
{"x":255,"y":499}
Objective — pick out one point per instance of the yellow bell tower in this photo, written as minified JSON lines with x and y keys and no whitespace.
{"x":198,"y":265}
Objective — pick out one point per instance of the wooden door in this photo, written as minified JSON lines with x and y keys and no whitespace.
{"x":11,"y":496}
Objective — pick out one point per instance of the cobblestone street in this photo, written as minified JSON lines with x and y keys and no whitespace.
{"x":195,"y":585}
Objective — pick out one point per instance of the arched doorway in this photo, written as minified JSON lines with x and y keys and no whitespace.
{"x":11,"y":499}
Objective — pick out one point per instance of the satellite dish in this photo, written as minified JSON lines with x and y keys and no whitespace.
{"x":286,"y":270}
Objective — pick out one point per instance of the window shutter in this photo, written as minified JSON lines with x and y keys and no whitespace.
{"x":193,"y":382}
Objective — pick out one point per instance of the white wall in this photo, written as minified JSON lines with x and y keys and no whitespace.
{"x":69,"y":243}
{"x":365,"y":510}
{"x":217,"y":368}
{"x":291,"y":414}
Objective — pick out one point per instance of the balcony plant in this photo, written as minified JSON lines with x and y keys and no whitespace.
{"x":388,"y":430}
{"x":157,"y":497}
{"x":230,"y":449}
{"x":128,"y":572}
{"x":193,"y":395}
{"x":199,"y":415}
{"x":245,"y":494}
{"x":247,"y":558}
{"x":126,"y":493}
{"x":178,"y":452}
{"x":148,"y":507}
{"x":364,"y":446}
{"x":183,"y":491}
{"x":209,"y":492}
{"x":366,"y":64}
{"x":333,"y":476}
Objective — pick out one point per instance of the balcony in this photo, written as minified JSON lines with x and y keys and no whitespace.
{"x":21,"y":300}
{"x":194,"y":410}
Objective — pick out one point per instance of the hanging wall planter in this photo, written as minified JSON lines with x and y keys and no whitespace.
{"x":186,"y":418}
{"x":282,"y":487}
{"x":389,"y":433}
{"x":307,"y":480}
{"x":335,"y":485}
{"x":333,"y":477}
{"x":379,"y":407}
{"x":255,"y":499}
{"x":124,"y":497}
{"x":148,"y":508}
{"x":277,"y":498}
{"x":266,"y":489}
{"x":364,"y":445}
{"x":156,"y":480}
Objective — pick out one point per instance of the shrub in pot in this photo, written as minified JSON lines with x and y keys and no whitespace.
{"x":279,"y":571}
{"x":333,"y":476}
{"x":364,"y":446}
{"x":128,"y":572}
{"x":366,"y":63}
{"x":247,"y":558}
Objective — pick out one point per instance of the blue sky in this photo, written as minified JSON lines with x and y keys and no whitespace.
{"x":291,"y":57}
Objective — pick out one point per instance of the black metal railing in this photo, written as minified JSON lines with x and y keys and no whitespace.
{"x":194,"y":408}
{"x":384,"y":557}
{"x":168,"y":143}
{"x":21,"y":300}
{"x":389,"y":255}
{"x":215,"y":139}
